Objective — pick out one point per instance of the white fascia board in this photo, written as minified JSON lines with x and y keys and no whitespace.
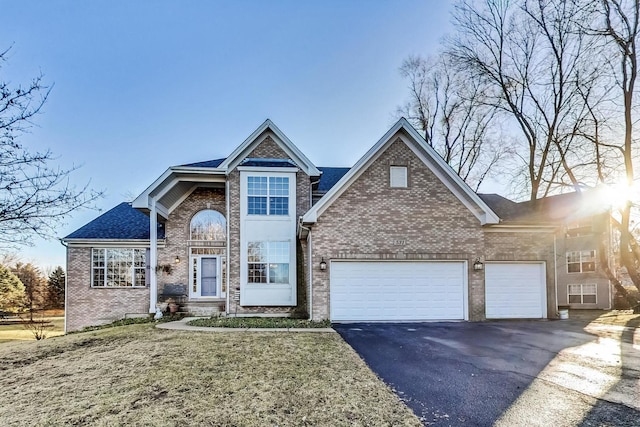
{"x":198,"y":170}
{"x":111,"y":243}
{"x":286,"y":144}
{"x":266,"y":169}
{"x":521,"y":228}
{"x":143,"y":200}
{"x":489,"y":216}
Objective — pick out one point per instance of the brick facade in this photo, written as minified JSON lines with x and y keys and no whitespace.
{"x":177,"y":231}
{"x":371,"y":220}
{"x":87,"y":306}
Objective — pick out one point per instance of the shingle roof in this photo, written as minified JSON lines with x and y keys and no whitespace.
{"x":206,"y":164}
{"x":329,"y":178}
{"x":121,"y":222}
{"x":551,"y":209}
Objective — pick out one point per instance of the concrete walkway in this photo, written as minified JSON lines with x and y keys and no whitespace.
{"x":181,"y":325}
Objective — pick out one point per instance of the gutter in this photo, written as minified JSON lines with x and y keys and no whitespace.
{"x":66,"y":283}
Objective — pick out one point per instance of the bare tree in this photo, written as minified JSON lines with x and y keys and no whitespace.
{"x":35,"y":196}
{"x":535,"y":59}
{"x":450,"y":109}
{"x":619,"y":24}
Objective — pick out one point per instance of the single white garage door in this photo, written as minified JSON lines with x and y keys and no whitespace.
{"x":515,"y":291}
{"x":394,"y":291}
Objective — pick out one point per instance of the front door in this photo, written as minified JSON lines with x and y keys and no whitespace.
{"x":206,"y":277}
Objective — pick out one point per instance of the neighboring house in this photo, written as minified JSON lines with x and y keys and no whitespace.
{"x":264,"y":232}
{"x":583,"y":245}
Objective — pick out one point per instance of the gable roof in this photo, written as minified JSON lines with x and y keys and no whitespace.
{"x":429,"y":157}
{"x":280,"y":139}
{"x":123,"y":222}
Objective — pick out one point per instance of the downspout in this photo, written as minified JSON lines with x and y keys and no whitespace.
{"x":555,"y":270}
{"x":153,"y":254}
{"x":66,"y":283}
{"x":228,"y":251}
{"x":310,"y":266}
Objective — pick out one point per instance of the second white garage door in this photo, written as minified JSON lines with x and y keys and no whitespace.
{"x":396,"y":291}
{"x":515,"y":291}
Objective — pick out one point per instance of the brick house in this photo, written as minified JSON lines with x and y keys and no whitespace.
{"x":398,"y":236}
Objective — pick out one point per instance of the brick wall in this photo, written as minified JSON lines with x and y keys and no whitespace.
{"x":370,"y":220}
{"x":178,"y":229}
{"x":87,"y":306}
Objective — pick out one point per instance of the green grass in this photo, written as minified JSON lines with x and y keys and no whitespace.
{"x":144,"y":376}
{"x":258,"y":322}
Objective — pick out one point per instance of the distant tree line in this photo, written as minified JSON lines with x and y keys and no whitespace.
{"x":24,"y":288}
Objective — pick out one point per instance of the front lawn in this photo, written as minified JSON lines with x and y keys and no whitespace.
{"x":140,"y":375}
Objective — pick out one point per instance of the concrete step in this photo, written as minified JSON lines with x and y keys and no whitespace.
{"x":203,"y":308}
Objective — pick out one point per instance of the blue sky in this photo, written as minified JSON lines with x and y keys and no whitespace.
{"x":140,"y":86}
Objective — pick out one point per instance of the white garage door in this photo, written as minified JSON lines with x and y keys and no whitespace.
{"x":515,"y":291}
{"x":378,"y":291}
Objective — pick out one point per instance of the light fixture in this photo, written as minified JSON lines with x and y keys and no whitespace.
{"x":478,"y":265}
{"x":177,"y":260}
{"x":323,"y":264}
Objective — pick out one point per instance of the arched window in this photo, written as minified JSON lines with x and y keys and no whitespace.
{"x":208,"y":225}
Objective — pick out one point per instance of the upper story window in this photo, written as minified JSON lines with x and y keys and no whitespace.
{"x":118,"y":268}
{"x":208,"y":225}
{"x":398,"y":176}
{"x":581,"y":261}
{"x":268,"y":195}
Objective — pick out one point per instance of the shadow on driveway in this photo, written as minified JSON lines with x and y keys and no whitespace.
{"x":472,"y":373}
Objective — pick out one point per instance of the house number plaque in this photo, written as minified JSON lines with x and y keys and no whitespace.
{"x":399,"y":242}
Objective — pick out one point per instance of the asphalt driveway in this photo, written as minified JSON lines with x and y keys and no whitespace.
{"x":528,"y":373}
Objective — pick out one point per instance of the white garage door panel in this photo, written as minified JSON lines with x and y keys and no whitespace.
{"x":515,"y":291}
{"x":397,"y":290}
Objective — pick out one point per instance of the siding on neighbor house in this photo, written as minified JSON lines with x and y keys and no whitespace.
{"x":600,"y":241}
{"x":372,"y":221}
{"x":97,"y":306}
{"x":523,"y":247}
{"x":266,"y":149}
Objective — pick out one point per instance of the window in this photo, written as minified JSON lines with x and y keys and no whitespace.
{"x":268,"y":195}
{"x":208,"y":225}
{"x":268,"y":262}
{"x":118,"y":267}
{"x":581,"y":261}
{"x":398,"y":176}
{"x":582,"y":294}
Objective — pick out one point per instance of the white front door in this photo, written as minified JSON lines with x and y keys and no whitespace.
{"x":205,"y":277}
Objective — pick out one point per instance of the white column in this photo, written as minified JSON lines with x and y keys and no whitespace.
{"x":153,"y":254}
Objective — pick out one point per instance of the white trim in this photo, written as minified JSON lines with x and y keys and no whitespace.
{"x":111,"y":243}
{"x":153,"y":257}
{"x":228,"y":251}
{"x":513,"y":228}
{"x":432,"y":160}
{"x":266,"y":169}
{"x":198,"y":293}
{"x":281,"y":139}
